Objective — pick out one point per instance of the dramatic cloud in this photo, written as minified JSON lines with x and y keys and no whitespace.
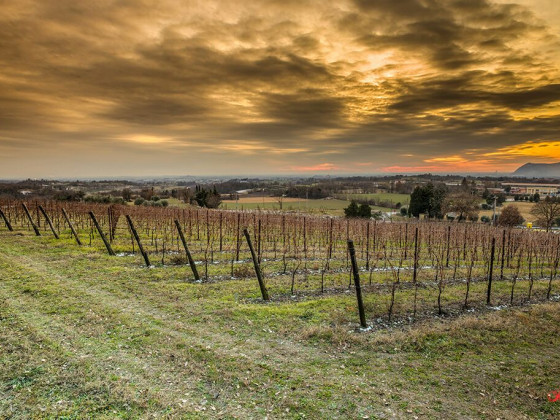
{"x":162,"y":87}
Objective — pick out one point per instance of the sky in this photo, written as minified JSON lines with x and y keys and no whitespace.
{"x":108,"y":88}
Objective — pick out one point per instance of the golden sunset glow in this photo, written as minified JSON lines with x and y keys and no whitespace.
{"x":317,"y":168}
{"x":146,"y":139}
{"x":447,"y":159}
{"x":216,"y":87}
{"x":546,"y":150}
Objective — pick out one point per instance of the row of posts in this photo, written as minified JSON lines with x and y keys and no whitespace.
{"x":258,"y":271}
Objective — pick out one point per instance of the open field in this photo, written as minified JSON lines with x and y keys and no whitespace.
{"x":523,"y":206}
{"x":404,"y":199}
{"x":333,"y":207}
{"x":84,"y":335}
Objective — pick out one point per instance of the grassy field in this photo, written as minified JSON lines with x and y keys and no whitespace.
{"x":85,"y":335}
{"x":524,"y":208}
{"x":404,"y":199}
{"x":331,"y":206}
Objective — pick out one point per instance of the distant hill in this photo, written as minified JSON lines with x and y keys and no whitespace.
{"x":539,"y":170}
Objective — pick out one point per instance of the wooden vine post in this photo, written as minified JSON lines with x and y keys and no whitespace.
{"x":491,"y":271}
{"x":135,"y":234}
{"x":361,"y":310}
{"x":258,"y":272}
{"x":48,"y":219}
{"x":503,"y":255}
{"x":74,"y":233}
{"x":33,"y":225}
{"x":415,"y":270}
{"x":448,"y":245}
{"x":367,"y":245}
{"x":107,"y":244}
{"x":189,"y":256}
{"x":6,"y":221}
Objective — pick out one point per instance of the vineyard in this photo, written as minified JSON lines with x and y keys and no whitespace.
{"x":406,"y":270}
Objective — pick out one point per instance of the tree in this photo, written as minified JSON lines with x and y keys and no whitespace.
{"x":214,"y":199}
{"x":464,"y":204}
{"x":207,"y":198}
{"x":147,"y":193}
{"x":352,"y":210}
{"x":69,"y":195}
{"x":437,"y":201}
{"x":420,"y":200}
{"x":127,"y":194}
{"x":465,"y":185}
{"x":500,"y":199}
{"x":427,"y":199}
{"x":510,"y":217}
{"x":185,"y":194}
{"x":364,"y":211}
{"x":546,"y":211}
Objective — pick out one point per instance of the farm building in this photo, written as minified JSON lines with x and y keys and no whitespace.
{"x":544,"y":190}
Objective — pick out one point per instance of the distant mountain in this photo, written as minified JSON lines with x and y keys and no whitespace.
{"x":539,"y":170}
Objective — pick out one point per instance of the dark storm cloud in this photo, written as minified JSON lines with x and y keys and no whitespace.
{"x":448,"y":93}
{"x":433,"y":75}
{"x":453,"y":34}
{"x":305,"y":108}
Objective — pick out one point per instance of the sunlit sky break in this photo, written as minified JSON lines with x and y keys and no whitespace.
{"x":141,"y":87}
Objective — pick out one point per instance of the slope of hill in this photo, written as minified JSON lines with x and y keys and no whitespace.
{"x":539,"y":170}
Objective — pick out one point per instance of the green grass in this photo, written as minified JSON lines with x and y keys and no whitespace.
{"x":404,"y":199}
{"x":85,"y":335}
{"x":333,"y":207}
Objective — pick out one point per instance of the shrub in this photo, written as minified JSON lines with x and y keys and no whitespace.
{"x":378,"y":215}
{"x":178,"y":259}
{"x":151,"y":203}
{"x":139,"y":201}
{"x":242,"y":271}
{"x":104,"y":199}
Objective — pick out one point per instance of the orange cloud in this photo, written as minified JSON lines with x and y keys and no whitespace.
{"x":542,"y":149}
{"x":447,"y":159}
{"x":405,"y":169}
{"x":455,"y":165}
{"x":147,"y":139}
